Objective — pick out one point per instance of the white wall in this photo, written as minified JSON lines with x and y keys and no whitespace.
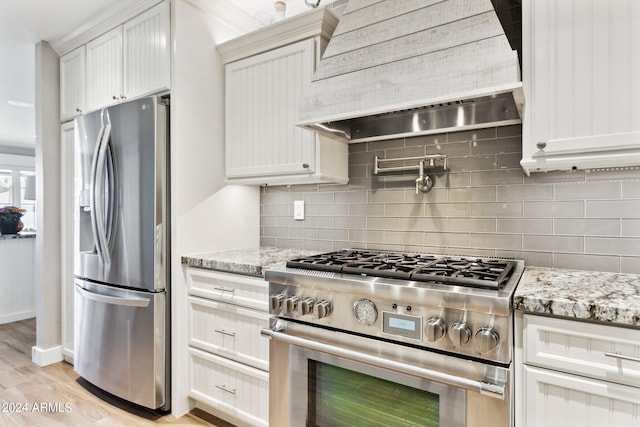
{"x":47,"y":245}
{"x":207,"y":215}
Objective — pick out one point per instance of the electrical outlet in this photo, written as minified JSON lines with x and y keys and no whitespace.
{"x":298,"y":210}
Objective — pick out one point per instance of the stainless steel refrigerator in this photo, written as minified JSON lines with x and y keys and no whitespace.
{"x":121,"y":300}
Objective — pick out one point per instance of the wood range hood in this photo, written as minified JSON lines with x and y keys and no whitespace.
{"x":398,"y":68}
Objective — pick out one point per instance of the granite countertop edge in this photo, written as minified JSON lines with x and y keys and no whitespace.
{"x":247,"y":261}
{"x":26,"y":235}
{"x":610,"y":298}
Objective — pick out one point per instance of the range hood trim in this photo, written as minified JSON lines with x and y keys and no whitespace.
{"x":320,"y":125}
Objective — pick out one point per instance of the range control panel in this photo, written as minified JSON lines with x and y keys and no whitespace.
{"x":458,"y":331}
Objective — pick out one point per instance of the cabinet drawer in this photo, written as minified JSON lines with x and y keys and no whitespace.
{"x":236,"y":390}
{"x":593,"y":350}
{"x":229,"y":331}
{"x":232,"y":288}
{"x":558,"y":399}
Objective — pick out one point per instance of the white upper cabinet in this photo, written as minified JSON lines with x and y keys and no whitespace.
{"x":104,"y":70}
{"x":266,"y":73}
{"x":131,"y":60}
{"x":72,"y":83}
{"x":581,"y":64}
{"x":147,"y":52}
{"x":261,"y":109}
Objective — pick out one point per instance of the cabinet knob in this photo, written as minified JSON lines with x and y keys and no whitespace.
{"x":115,"y":98}
{"x":305,"y":165}
{"x":541,"y":145}
{"x":78,"y":110}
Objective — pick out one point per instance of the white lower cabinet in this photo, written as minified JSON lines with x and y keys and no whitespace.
{"x":236,"y":391}
{"x":578,"y":373}
{"x":559,"y":399}
{"x":228,"y":359}
{"x":229,"y":331}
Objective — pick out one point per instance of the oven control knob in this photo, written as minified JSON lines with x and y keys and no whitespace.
{"x":323,"y":308}
{"x":460,"y":334}
{"x":291,"y":304}
{"x":436,"y":329}
{"x":306,"y":306}
{"x":486,"y":339}
{"x":276,"y":302}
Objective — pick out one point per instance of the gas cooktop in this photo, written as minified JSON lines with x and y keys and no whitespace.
{"x":460,"y":270}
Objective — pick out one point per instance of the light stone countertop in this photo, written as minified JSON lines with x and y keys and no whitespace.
{"x":20,"y":235}
{"x":583,"y":295}
{"x":250,"y":261}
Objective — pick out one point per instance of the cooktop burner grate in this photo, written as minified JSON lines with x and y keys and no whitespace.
{"x":463,"y":271}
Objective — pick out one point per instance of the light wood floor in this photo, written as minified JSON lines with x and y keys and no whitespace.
{"x":54,"y":395}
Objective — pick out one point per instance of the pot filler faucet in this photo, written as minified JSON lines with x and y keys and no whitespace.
{"x":424,"y":182}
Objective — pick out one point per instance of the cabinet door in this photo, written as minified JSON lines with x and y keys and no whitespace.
{"x":72,"y":83}
{"x":104,"y":70}
{"x":604,"y":352}
{"x":580,"y":75}
{"x":146,"y":41}
{"x":247,"y":291}
{"x":557,"y":399}
{"x":229,"y":331}
{"x":263,"y":93}
{"x":231,"y":389}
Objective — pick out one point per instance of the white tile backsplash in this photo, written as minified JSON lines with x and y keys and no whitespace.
{"x":485,"y":205}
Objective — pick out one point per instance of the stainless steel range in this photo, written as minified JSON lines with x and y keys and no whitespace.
{"x":363,"y":336}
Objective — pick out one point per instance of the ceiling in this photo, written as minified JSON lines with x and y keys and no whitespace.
{"x":25,"y":22}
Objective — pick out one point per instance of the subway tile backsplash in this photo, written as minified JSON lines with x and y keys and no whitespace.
{"x":484,"y":205}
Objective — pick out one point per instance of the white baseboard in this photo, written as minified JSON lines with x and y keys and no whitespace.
{"x":44,"y":357}
{"x":14,"y":317}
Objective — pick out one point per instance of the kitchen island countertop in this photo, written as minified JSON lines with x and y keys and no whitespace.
{"x":583,"y":295}
{"x":249,"y":261}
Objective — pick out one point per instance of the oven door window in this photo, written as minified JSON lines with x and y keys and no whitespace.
{"x":341,"y":392}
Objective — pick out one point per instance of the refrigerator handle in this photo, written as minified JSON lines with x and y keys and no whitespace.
{"x":103,"y":243}
{"x":92,"y":189}
{"x":129,"y":302}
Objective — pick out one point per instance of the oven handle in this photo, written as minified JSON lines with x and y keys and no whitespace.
{"x":489,"y":389}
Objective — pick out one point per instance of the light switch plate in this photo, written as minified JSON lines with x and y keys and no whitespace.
{"x":298,"y":210}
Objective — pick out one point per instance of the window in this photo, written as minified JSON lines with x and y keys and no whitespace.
{"x":22,"y":195}
{"x":6,"y":187}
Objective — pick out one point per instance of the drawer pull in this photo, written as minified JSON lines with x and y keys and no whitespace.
{"x":223,"y":289}
{"x":225,"y":388}
{"x":622,"y":356}
{"x":223,"y":332}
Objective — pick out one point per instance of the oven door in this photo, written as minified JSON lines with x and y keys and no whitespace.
{"x":328,"y":378}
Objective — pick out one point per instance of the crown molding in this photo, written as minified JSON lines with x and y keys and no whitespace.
{"x":99,"y":24}
{"x":225,"y":13}
{"x":316,"y":22}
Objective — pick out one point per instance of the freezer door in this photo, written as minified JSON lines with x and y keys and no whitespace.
{"x":120,"y":342}
{"x":123,"y":216}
